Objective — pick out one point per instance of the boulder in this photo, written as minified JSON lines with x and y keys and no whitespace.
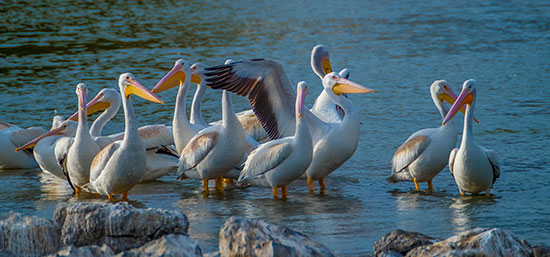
{"x":28,"y":235}
{"x":541,"y":251}
{"x":212,"y":254}
{"x":84,"y":251}
{"x":244,"y":237}
{"x":401,"y":242}
{"x":476,"y":242}
{"x":120,"y":225}
{"x":172,"y":245}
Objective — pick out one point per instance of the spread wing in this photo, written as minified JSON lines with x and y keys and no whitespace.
{"x":409,"y":151}
{"x":197,"y":149}
{"x":21,"y":137}
{"x":268,"y":88}
{"x":265,"y":158}
{"x":452,"y":157}
{"x":101,"y":159}
{"x":493,"y":159}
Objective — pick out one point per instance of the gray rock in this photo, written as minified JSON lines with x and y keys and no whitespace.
{"x":84,"y":251}
{"x":167,"y":246}
{"x":120,"y":225}
{"x":28,"y":235}
{"x":401,"y":242}
{"x":244,"y":237}
{"x":476,"y":242}
{"x":541,"y":251}
{"x":212,"y":254}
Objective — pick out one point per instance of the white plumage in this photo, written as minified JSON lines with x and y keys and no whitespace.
{"x":474,"y":168}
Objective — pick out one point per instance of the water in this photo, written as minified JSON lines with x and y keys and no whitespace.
{"x":396,"y":48}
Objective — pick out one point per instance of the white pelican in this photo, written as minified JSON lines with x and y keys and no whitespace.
{"x":324,"y":108}
{"x":183,"y":130}
{"x":278,"y":162}
{"x":50,"y":148}
{"x":270,"y":93}
{"x":474,"y":168}
{"x":83,"y":149}
{"x":121,"y":165}
{"x":11,"y":137}
{"x":215,"y":150}
{"x":426,"y":152}
{"x":195,"y":117}
{"x":161,"y":159}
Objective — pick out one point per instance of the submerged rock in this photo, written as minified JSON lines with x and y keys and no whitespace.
{"x":120,"y":225}
{"x":477,"y":242}
{"x":244,"y":237}
{"x":172,"y":245}
{"x":84,"y":251}
{"x":28,"y":235}
{"x":401,"y":242}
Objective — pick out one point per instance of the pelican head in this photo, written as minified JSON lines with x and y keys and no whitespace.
{"x":442,"y":91}
{"x":466,"y":98}
{"x":67,"y":127}
{"x":302,"y":92}
{"x":57,"y":120}
{"x":106,"y":98}
{"x":130,"y":86}
{"x":81,"y":92}
{"x":338,"y":85}
{"x":197,"y":72}
{"x":175,"y":77}
{"x":320,"y":62}
{"x":229,"y":61}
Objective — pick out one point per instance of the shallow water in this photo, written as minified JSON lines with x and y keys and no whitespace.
{"x":397,"y":48}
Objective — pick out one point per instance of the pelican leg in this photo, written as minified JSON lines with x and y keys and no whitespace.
{"x":110,"y":197}
{"x":77,"y":191}
{"x":285,"y":193}
{"x":430,"y":186}
{"x":125,"y":196}
{"x":276,"y":192}
{"x":228,"y":181}
{"x":220,"y":184}
{"x":416,"y":184}
{"x":205,"y":185}
{"x":310,"y":184}
{"x":322,"y":184}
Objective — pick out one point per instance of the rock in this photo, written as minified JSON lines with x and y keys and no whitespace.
{"x":212,"y":254}
{"x":401,"y":242}
{"x":541,"y":251}
{"x":476,"y":242}
{"x":84,"y":251}
{"x":167,"y":246}
{"x":120,"y":225}
{"x":28,"y":235}
{"x":244,"y":237}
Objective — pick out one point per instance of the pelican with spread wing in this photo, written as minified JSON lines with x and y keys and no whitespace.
{"x":270,"y":94}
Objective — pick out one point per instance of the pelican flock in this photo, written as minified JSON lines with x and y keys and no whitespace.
{"x":271,"y":145}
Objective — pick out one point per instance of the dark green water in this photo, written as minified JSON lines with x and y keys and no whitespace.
{"x":397,"y":48}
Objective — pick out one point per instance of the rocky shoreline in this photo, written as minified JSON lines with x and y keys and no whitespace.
{"x":94,"y":229}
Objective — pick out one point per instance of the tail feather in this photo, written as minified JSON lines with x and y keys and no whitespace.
{"x":399,"y":176}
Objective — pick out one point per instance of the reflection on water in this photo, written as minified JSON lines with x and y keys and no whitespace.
{"x":397,"y":48}
{"x":465,"y":210}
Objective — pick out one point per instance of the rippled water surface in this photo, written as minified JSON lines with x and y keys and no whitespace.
{"x":397,"y":48}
